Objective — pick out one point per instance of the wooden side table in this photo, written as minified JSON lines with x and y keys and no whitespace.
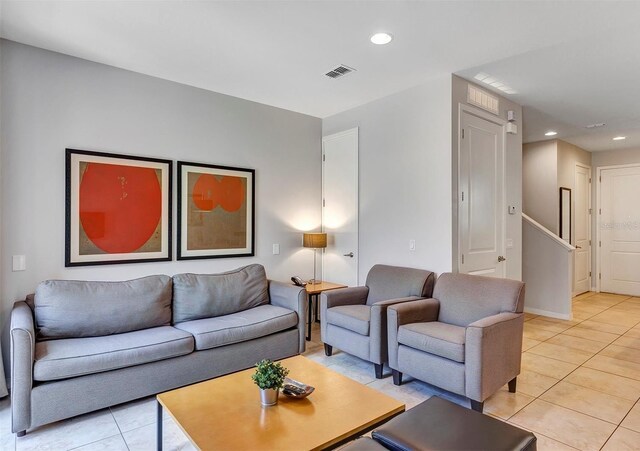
{"x":313,"y":291}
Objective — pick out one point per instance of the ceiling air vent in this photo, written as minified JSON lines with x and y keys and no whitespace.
{"x":339,"y":71}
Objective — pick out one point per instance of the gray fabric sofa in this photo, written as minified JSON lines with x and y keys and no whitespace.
{"x":467,"y":339}
{"x":79,"y":346}
{"x":354,"y":319}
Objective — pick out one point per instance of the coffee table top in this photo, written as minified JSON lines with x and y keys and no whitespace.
{"x":225,"y":413}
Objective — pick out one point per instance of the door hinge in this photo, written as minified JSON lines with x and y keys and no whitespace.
{"x":463,"y":259}
{"x":590,"y":211}
{"x":463,"y":133}
{"x":600,"y":179}
{"x":600,"y":276}
{"x":589,"y":273}
{"x":324,"y":157}
{"x":589,"y":242}
{"x":323,"y":203}
{"x":600,"y":210}
{"x":463,"y":196}
{"x":600,"y":244}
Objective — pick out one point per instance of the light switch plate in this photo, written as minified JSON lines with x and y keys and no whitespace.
{"x":19,"y":262}
{"x":509,"y":243}
{"x":276,"y":249}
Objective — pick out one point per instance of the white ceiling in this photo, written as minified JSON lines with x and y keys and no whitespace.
{"x":572,"y":63}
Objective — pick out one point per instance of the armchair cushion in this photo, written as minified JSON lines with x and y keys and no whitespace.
{"x":465,"y":298}
{"x":444,"y":340}
{"x":356,"y":318}
{"x":391,"y":282}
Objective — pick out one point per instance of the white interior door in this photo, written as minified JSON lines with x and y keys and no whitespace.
{"x":481,"y":203}
{"x":620,"y":230}
{"x":582,"y":230}
{"x":340,"y":207}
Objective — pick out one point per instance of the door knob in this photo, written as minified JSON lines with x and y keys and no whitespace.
{"x":501,"y":258}
{"x":578,"y":247}
{"x":350,"y":254}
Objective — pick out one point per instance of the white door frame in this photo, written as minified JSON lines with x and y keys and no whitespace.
{"x":590,"y":224}
{"x":463,"y":108}
{"x":598,"y":207}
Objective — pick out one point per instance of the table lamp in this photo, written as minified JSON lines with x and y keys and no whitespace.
{"x":314,"y":241}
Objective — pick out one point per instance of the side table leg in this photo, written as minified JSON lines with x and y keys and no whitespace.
{"x":159,"y":427}
{"x":310,"y":300}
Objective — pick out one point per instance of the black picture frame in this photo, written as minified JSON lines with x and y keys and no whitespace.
{"x":565,"y":214}
{"x":76,"y":236}
{"x":186,"y":209}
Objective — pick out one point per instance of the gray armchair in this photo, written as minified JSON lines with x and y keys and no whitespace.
{"x":467,"y":339}
{"x":354,"y":319}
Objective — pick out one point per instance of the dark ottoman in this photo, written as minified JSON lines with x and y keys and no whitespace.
{"x":437,"y":424}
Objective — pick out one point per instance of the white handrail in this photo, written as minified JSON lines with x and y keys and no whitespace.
{"x":548,"y":233}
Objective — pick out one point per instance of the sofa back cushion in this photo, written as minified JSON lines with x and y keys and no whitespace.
{"x":197,"y":296}
{"x":465,"y":298}
{"x":392,"y":282}
{"x":73,"y":308}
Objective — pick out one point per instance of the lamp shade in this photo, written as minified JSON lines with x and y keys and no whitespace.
{"x":314,"y":240}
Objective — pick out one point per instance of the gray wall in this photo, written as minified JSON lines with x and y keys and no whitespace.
{"x":513,"y":176}
{"x":52,"y":101}
{"x":405,"y":176}
{"x":540,"y":183}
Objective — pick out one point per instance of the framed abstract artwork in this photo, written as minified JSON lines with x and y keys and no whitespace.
{"x":118,"y":209}
{"x":215,"y":211}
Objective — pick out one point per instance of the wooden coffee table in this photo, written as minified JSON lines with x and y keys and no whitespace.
{"x":225,"y":413}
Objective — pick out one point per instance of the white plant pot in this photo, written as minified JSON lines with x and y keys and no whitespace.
{"x":269,"y":397}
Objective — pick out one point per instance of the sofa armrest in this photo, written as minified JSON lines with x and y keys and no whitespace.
{"x":422,"y":310}
{"x":378,"y":328}
{"x":493,"y":352}
{"x":294,"y":298}
{"x":23,"y":343}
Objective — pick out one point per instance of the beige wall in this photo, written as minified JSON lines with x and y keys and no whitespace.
{"x":568,"y":156}
{"x":513,"y":182}
{"x":540,"y":183}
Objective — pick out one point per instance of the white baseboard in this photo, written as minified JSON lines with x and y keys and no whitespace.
{"x":594,"y":289}
{"x":536,"y":311}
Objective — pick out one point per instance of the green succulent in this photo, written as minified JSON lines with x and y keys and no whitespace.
{"x":269,"y":374}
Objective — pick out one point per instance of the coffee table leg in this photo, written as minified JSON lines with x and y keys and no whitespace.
{"x":159,"y":427}
{"x":310,"y":300}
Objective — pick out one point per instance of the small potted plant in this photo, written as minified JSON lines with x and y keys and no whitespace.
{"x":269,"y":377}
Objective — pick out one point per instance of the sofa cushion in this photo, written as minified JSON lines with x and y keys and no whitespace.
{"x":61,"y":359}
{"x":242,"y":326}
{"x":444,"y":340}
{"x":73,"y":309}
{"x":197,"y":296}
{"x":353,"y":317}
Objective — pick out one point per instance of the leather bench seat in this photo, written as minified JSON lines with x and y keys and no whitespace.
{"x":241,"y":326}
{"x":71,"y":357}
{"x":437,"y":424}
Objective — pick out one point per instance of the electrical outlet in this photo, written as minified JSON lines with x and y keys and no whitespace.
{"x":412,"y":245}
{"x":276,"y":249}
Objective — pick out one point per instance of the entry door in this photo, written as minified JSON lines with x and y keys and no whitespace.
{"x":620,"y":230}
{"x":340,"y":207}
{"x":481,"y":204}
{"x":582,"y":230}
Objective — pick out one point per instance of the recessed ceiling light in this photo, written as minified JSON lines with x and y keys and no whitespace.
{"x":551,"y":133}
{"x":381,"y":38}
{"x":619,"y":138}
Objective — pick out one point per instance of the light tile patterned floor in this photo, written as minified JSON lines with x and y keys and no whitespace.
{"x":579,"y":389}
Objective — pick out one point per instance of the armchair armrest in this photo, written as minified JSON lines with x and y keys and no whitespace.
{"x":343,"y":296}
{"x":23,"y":343}
{"x":422,"y":310}
{"x":294,"y":298}
{"x":340,"y":296}
{"x":493,"y":352}
{"x":378,"y":328}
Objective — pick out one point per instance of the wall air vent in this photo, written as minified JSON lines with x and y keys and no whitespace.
{"x":482,"y":99}
{"x":339,"y":71}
